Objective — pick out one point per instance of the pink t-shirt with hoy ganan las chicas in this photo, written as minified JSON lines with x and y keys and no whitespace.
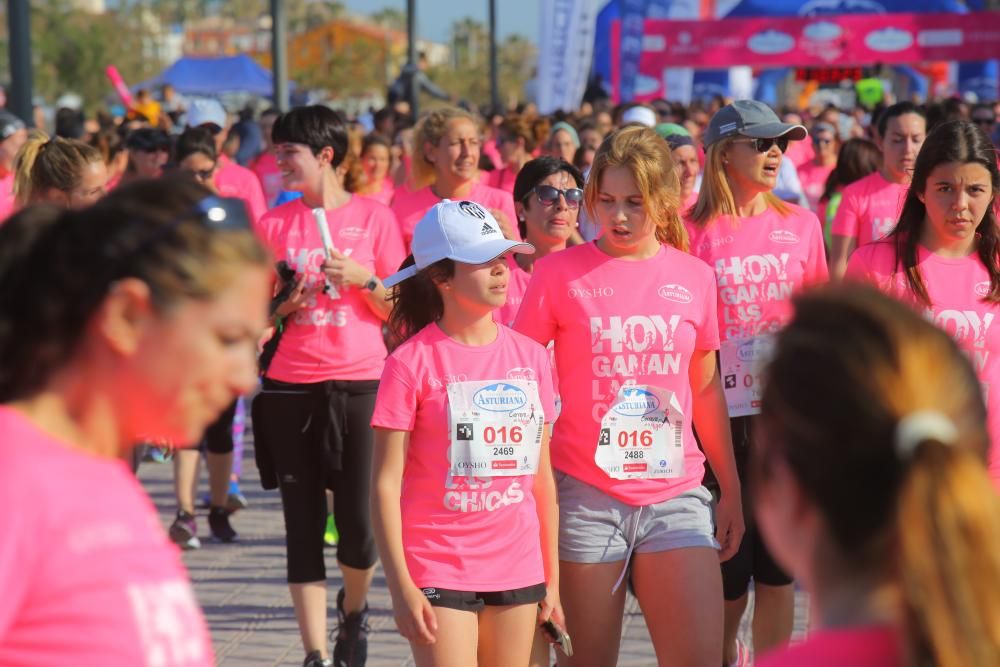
{"x":624,"y":334}
{"x":956,"y":288}
{"x":869,"y":209}
{"x":88,"y":576}
{"x":469,"y":524}
{"x":760,"y":261}
{"x":336,"y":336}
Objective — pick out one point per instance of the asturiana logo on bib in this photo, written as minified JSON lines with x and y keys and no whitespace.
{"x":636,"y":403}
{"x":783,"y":236}
{"x":500,"y":397}
{"x":983,"y":289}
{"x":677,"y":293}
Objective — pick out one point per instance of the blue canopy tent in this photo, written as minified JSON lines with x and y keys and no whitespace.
{"x":215,"y":76}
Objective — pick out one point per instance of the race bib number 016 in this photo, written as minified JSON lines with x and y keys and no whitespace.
{"x":742,"y":364}
{"x":496,"y":428}
{"x":642,"y":435}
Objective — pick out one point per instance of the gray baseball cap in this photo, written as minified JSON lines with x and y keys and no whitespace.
{"x":9,"y":124}
{"x":750,"y":118}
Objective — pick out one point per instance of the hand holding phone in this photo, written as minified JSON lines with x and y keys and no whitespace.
{"x":556,"y":635}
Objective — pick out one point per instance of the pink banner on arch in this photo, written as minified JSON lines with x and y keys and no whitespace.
{"x":824,"y":41}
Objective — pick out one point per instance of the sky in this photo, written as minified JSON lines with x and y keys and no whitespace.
{"x":434,"y":17}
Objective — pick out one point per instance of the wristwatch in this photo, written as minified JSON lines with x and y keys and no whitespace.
{"x":372,"y":284}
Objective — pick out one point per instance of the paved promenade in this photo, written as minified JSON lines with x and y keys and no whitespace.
{"x":242,"y":588}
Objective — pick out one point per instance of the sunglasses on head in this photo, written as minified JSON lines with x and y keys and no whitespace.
{"x":548,"y":195}
{"x":764,"y":145}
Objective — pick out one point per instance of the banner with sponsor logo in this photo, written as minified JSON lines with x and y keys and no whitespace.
{"x":565,"y":46}
{"x":858,"y":39}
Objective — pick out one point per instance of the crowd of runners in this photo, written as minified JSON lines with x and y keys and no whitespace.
{"x":527,"y":363}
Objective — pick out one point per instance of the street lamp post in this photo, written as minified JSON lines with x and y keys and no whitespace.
{"x":279,"y":54}
{"x":19,"y":29}
{"x":494,"y":86}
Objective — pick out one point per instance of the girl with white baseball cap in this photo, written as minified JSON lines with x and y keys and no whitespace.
{"x":463,"y":494}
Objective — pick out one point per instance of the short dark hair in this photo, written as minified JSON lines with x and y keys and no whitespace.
{"x":195,"y":140}
{"x":895,"y":111}
{"x":315,"y":126}
{"x":536,"y":171}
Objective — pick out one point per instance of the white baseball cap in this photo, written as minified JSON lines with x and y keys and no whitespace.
{"x":203,"y":111}
{"x":462,"y":231}
{"x":642,"y":115}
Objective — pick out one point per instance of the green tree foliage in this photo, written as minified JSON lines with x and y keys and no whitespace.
{"x":71,"y":48}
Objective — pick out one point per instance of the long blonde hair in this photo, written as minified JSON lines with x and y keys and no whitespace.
{"x":647,"y":156}
{"x":429,"y":130}
{"x":715,"y":198}
{"x":925,"y":517}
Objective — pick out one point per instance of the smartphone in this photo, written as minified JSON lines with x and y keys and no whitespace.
{"x":558,"y":636}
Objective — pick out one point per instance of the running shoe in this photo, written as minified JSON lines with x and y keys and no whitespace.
{"x":218,"y":523}
{"x":331,"y":536}
{"x":743,"y":658}
{"x":236,"y":500}
{"x":315,"y":659}
{"x":350,"y":648}
{"x":184,"y":531}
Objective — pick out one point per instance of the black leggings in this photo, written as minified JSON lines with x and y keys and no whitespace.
{"x":753,"y":560}
{"x":218,"y":438}
{"x":285,"y":423}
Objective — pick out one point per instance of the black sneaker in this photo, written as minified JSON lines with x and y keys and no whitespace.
{"x":350,"y":648}
{"x":315,"y":659}
{"x":218,"y":523}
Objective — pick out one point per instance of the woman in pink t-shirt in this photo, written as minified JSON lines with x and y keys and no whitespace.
{"x":376,"y":156}
{"x":814,"y":173}
{"x":547,"y":196}
{"x":944,"y":255}
{"x":633,"y":321}
{"x":447,"y":143}
{"x":311,"y":418}
{"x":515,"y":142}
{"x":870,"y":207}
{"x":464,"y":499}
{"x":154,"y":299}
{"x":870,"y":487}
{"x":762,"y":250}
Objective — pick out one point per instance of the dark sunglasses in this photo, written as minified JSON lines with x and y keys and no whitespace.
{"x":984,"y":121}
{"x":764,"y":145}
{"x":212,"y":128}
{"x":548,"y":195}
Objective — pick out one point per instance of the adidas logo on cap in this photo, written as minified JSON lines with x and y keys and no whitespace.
{"x":487,"y":230}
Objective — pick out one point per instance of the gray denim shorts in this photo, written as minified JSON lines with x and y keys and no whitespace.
{"x":596,"y":528}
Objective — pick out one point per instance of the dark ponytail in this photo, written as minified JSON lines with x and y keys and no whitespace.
{"x":416,"y":301}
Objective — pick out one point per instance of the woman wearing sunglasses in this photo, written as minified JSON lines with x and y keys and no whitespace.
{"x":548,"y":193}
{"x":195,"y":155}
{"x":155,"y":298}
{"x":148,"y":153}
{"x":762,"y":250}
{"x":632,"y":320}
{"x":446,"y":166}
{"x":814,"y":173}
